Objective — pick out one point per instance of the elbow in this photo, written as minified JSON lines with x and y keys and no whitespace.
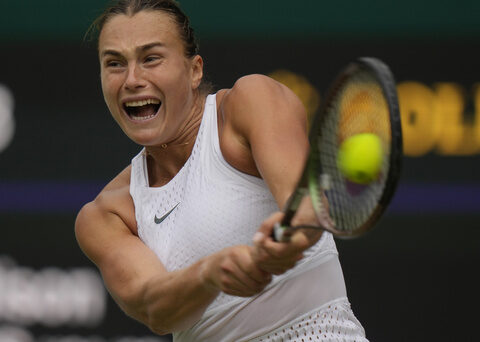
{"x":150,"y":318}
{"x":161,"y":311}
{"x":161,"y":323}
{"x":159,"y":330}
{"x":149,"y":311}
{"x":157,"y":324}
{"x":152,"y":322}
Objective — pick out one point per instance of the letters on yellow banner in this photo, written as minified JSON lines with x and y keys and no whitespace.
{"x":443,"y":118}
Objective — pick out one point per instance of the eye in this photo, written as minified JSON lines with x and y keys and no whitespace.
{"x":152,"y":59}
{"x":113,"y":64}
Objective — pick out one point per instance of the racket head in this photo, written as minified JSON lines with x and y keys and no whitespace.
{"x":362,"y":99}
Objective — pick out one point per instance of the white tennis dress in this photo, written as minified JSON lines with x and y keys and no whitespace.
{"x":208,"y":206}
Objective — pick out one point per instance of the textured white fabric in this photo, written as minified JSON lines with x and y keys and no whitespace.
{"x":279,"y":306}
{"x":332,"y":322}
{"x":214,"y":206}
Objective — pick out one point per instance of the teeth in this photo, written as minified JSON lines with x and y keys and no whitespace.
{"x":141,"y":103}
{"x":141,"y":118}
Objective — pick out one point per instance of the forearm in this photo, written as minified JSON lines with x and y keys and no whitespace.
{"x":172,"y":301}
{"x":176,"y":300}
{"x":137,"y":279}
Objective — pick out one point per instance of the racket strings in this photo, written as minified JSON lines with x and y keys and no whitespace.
{"x":358,"y":106}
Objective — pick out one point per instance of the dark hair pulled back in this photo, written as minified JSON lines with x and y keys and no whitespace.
{"x":170,"y":7}
{"x":132,"y":7}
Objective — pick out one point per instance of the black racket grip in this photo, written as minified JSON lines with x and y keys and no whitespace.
{"x":281,"y":230}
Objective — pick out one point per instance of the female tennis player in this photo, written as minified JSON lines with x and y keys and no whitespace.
{"x":181,"y":235}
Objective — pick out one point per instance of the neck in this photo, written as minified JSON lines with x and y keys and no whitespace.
{"x":166,"y":159}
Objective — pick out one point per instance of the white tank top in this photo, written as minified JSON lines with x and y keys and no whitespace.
{"x":208,"y":206}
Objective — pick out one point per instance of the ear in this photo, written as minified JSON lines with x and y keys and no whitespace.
{"x":197,"y":71}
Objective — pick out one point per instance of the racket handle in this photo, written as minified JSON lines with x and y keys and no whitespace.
{"x":281,"y":233}
{"x":281,"y":230}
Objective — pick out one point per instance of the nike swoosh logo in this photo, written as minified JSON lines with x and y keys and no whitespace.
{"x":161,"y":219}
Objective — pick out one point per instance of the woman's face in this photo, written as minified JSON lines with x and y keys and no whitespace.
{"x":148,"y":83}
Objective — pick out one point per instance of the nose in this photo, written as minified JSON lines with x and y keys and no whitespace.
{"x":134,"y":79}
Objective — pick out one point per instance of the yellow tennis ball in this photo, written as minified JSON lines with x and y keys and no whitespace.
{"x":360,"y":157}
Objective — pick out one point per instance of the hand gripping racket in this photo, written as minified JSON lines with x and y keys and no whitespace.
{"x":362,"y":99}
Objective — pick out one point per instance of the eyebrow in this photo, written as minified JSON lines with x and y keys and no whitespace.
{"x":142,"y":48}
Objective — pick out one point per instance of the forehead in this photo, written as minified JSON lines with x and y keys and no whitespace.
{"x":127,"y":32}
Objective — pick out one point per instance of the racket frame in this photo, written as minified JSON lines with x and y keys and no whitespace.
{"x":309,"y":181}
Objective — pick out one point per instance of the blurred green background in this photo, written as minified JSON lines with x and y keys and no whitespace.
{"x":68,"y":20}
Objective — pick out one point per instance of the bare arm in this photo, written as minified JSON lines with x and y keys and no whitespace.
{"x":269,"y":123}
{"x":138,"y":281}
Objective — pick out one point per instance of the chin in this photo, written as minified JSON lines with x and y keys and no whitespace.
{"x":144,"y":137}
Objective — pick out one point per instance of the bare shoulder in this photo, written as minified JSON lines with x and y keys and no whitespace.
{"x":111,"y":212}
{"x":114,"y":199}
{"x":255,"y":111}
{"x":256,"y":101}
{"x":258,"y":91}
{"x":251,"y":84}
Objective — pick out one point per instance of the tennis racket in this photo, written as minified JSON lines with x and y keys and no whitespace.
{"x":362,"y":99}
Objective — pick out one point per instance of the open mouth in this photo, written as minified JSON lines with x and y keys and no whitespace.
{"x":142,"y":110}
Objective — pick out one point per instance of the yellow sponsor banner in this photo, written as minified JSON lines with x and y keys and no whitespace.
{"x":437,"y":118}
{"x":442,"y":118}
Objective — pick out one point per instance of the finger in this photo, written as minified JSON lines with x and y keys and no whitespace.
{"x":274,"y":257}
{"x":278,"y":263}
{"x":232,"y":282}
{"x":242,"y":272}
{"x":266,"y":228}
{"x":242,"y":282}
{"x":251,"y":268}
{"x":282,"y":250}
{"x":300,"y":239}
{"x":264,"y":234}
{"x":279,"y":268}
